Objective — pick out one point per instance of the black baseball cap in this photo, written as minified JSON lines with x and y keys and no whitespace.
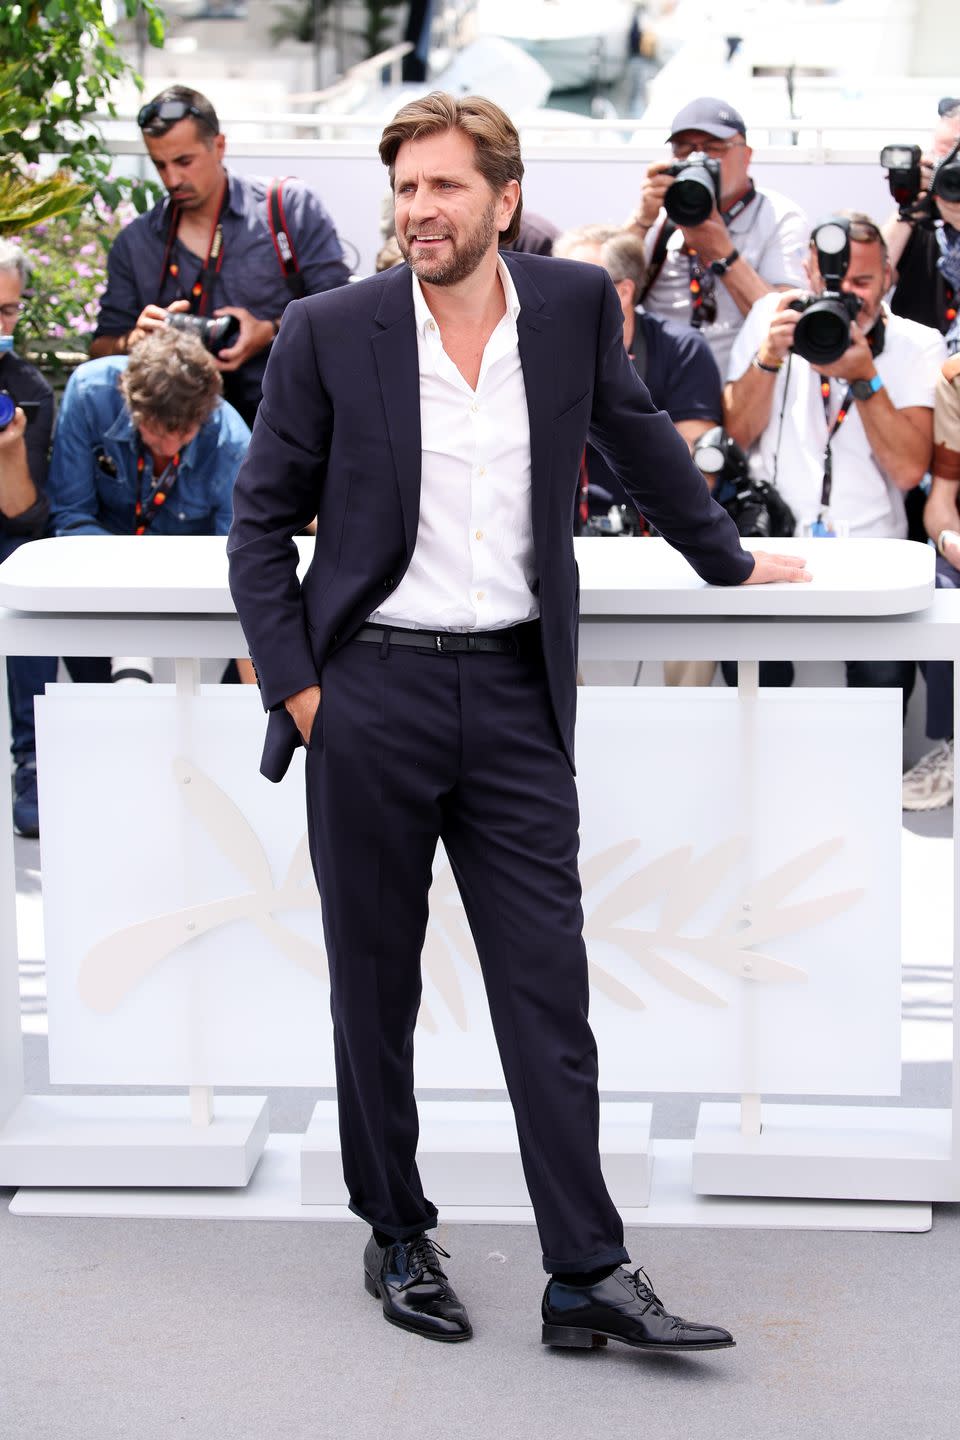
{"x":712,"y":116}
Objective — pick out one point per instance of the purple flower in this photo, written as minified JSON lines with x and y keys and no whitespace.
{"x":88,"y":249}
{"x":57,"y":331}
{"x":83,"y":270}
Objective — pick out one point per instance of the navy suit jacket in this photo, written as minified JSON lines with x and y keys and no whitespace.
{"x":338,"y":436}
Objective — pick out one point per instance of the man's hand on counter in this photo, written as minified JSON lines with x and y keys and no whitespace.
{"x":770,"y":567}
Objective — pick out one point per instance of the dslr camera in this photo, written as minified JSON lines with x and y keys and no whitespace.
{"x":903,"y":164}
{"x":8,"y":408}
{"x":216,"y":332}
{"x":695,"y":189}
{"x":823,"y":330}
{"x":755,"y":506}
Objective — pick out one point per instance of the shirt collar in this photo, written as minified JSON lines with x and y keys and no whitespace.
{"x":421,"y":309}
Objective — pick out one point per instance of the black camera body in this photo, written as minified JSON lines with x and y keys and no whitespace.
{"x":216,"y":333}
{"x":755,"y":506}
{"x":695,"y":191}
{"x":823,"y":330}
{"x":9,"y":406}
{"x":903,"y":164}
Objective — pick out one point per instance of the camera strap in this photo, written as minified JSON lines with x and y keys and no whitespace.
{"x":161,"y":485}
{"x":282,"y":242}
{"x":876,"y":337}
{"x":202,"y":287}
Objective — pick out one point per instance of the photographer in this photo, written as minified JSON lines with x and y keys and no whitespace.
{"x":145,"y":445}
{"x":924,"y":244}
{"x":221,"y":245}
{"x":26,"y":421}
{"x":842,"y":441}
{"x":739,"y":244}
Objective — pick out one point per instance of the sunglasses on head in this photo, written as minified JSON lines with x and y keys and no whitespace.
{"x":948,"y":103}
{"x":168,"y":112}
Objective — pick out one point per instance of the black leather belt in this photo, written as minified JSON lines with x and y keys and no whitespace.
{"x":447,"y":642}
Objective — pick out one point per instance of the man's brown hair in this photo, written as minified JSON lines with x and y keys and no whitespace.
{"x":170,"y":382}
{"x":493,"y":133}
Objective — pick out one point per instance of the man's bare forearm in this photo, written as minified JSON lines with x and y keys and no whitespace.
{"x":109,"y":345}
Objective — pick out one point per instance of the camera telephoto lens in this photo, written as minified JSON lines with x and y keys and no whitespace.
{"x":216,"y":334}
{"x":823,"y":332}
{"x":946,"y":183}
{"x":693,"y":194}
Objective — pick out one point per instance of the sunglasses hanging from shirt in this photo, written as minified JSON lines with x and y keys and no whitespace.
{"x":201,"y":290}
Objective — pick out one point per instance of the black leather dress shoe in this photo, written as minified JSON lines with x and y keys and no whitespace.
{"x":408,"y":1277}
{"x":621,"y":1307}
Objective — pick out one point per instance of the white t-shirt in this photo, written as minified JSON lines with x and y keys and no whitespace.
{"x":771,"y":233}
{"x":790,"y":450}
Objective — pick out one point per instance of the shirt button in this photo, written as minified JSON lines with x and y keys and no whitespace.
{"x":479,"y":594}
{"x":431,"y":325}
{"x":482,"y":470}
{"x":479,"y":534}
{"x":474,"y":408}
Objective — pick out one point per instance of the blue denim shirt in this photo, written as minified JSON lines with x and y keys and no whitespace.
{"x":92,"y":485}
{"x":250,"y":275}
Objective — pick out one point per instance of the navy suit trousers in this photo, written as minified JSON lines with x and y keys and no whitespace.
{"x":410,"y":747}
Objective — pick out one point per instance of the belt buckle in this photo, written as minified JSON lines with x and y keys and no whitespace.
{"x":439,"y":640}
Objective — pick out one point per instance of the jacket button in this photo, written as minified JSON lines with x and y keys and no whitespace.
{"x":388,"y":584}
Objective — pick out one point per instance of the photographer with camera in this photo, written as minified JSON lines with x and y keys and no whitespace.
{"x":715,"y":243}
{"x":833,"y":397}
{"x":145,"y":445}
{"x":223,"y":248}
{"x":923,"y":236}
{"x":26,"y":422}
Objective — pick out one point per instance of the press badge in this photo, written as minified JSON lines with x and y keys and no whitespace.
{"x":825,"y":527}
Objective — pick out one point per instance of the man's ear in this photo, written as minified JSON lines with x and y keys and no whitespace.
{"x":627,"y":292}
{"x":509,"y":200}
{"x":220,"y":145}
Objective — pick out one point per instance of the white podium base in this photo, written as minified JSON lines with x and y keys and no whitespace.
{"x":840,"y":1152}
{"x":274,"y":1194}
{"x":141,"y":1140}
{"x":468,"y":1154}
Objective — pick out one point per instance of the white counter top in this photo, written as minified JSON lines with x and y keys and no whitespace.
{"x":168,"y":575}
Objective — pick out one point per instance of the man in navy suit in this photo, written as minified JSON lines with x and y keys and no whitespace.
{"x":433,"y":418}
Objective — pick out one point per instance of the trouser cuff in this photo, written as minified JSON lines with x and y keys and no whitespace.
{"x":397,"y":1232}
{"x":575,"y":1264}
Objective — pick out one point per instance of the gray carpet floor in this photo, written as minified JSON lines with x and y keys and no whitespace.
{"x":241,"y":1330}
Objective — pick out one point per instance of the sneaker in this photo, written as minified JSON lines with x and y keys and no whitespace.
{"x":26,"y":811}
{"x":929,"y":785}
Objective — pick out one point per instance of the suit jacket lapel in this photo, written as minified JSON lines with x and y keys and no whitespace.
{"x":539,"y":361}
{"x":398,"y":368}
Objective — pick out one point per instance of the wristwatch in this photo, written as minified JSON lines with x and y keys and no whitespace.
{"x":720,"y":267}
{"x":866,"y":389}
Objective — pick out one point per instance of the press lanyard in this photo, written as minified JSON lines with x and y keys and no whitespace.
{"x":701,"y":285}
{"x":842,"y":414}
{"x":201,"y":289}
{"x":160,"y":487}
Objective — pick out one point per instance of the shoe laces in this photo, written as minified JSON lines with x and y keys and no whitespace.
{"x":648,"y":1295}
{"x":933,"y":760}
{"x":423,"y":1258}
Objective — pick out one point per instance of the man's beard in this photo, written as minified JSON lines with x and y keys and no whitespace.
{"x":465,"y":257}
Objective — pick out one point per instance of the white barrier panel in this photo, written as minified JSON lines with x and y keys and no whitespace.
{"x":740,"y":862}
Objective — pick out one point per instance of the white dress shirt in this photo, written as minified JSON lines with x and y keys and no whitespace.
{"x":473,"y":563}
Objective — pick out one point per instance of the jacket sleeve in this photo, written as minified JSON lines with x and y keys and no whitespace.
{"x":72,"y":481}
{"x":275,"y":496}
{"x":652,"y":462}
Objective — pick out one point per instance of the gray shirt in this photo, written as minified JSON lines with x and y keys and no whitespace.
{"x":771,"y":233}
{"x":250,"y":275}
